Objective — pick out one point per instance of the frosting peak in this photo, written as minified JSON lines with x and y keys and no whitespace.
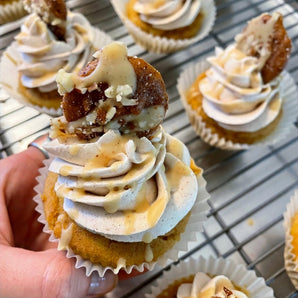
{"x":234,"y":94}
{"x":123,"y":186}
{"x":42,"y":55}
{"x":168,"y":14}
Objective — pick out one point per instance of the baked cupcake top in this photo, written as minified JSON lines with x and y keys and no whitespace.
{"x":120,"y":174}
{"x":241,"y":88}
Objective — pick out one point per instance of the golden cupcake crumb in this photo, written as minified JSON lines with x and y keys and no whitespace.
{"x":294,"y":234}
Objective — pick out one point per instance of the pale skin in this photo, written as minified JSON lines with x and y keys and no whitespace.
{"x":30,"y":265}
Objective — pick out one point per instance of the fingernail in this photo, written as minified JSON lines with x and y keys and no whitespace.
{"x":102,"y":285}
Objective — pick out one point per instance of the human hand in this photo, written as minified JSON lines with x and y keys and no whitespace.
{"x":30,"y":265}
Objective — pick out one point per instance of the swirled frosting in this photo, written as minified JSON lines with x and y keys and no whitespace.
{"x":124,"y":187}
{"x":205,"y":287}
{"x":168,"y":14}
{"x":234,"y":94}
{"x":42,"y":55}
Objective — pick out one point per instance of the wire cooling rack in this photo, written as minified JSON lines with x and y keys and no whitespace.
{"x":249,"y":189}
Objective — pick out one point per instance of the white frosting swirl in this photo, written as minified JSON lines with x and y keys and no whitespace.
{"x":168,"y":14}
{"x":234,"y":94}
{"x":205,"y":287}
{"x":124,"y":187}
{"x":42,"y":55}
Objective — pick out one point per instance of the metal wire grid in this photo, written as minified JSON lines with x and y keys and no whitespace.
{"x":249,"y":189}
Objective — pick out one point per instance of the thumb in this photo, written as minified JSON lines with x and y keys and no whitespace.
{"x":47,"y":273}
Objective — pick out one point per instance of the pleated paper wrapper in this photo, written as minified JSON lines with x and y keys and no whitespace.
{"x":285,"y":126}
{"x":188,"y":238}
{"x":291,"y":262}
{"x":12,"y":11}
{"x":237,"y":273}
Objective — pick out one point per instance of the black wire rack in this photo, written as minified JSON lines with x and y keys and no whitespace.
{"x":249,"y":189}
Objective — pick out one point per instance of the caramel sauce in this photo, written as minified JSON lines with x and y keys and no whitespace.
{"x":130,"y":220}
{"x":147,"y":238}
{"x":78,"y":193}
{"x":148,"y":253}
{"x":195,"y":168}
{"x":176,"y":148}
{"x":107,"y":154}
{"x":174,"y":174}
{"x":74,"y":149}
{"x":10,"y":58}
{"x":112,"y":205}
{"x":275,"y":104}
{"x":112,"y":54}
{"x":65,"y":237}
{"x":65,"y":170}
{"x":155,"y":211}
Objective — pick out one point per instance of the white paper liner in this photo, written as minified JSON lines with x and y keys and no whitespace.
{"x":288,"y":93}
{"x":290,"y":263}
{"x":9,"y":76}
{"x":187,"y":239}
{"x":237,"y":273}
{"x":159,"y":44}
{"x":12,"y":11}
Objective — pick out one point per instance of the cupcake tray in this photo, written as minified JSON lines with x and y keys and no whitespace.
{"x":249,"y":189}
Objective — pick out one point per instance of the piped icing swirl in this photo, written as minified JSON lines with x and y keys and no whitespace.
{"x":125,"y":187}
{"x":168,"y":14}
{"x":234,"y":94}
{"x":204,"y":286}
{"x":42,"y":55}
{"x":241,"y":91}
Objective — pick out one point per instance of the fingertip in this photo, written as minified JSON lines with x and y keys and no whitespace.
{"x":102,"y":285}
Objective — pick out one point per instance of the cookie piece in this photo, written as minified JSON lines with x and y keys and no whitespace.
{"x":52,"y":12}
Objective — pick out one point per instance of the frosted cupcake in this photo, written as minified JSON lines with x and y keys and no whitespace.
{"x":241,"y":96}
{"x":166,"y":26}
{"x":209,"y":278}
{"x":51,"y":38}
{"x":11,"y":10}
{"x":291,"y":239}
{"x":120,"y":193}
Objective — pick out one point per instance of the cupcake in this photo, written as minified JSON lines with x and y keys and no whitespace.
{"x":11,"y":10}
{"x":119,"y":192}
{"x":210,"y":278}
{"x":241,"y":96}
{"x":166,"y":26}
{"x":291,"y":239}
{"x":51,"y":38}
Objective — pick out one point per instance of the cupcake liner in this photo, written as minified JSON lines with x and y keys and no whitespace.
{"x":11,"y":12}
{"x":187,"y":239}
{"x":159,"y":44}
{"x":9,"y":75}
{"x":288,"y":93}
{"x":290,"y":263}
{"x":237,"y":273}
